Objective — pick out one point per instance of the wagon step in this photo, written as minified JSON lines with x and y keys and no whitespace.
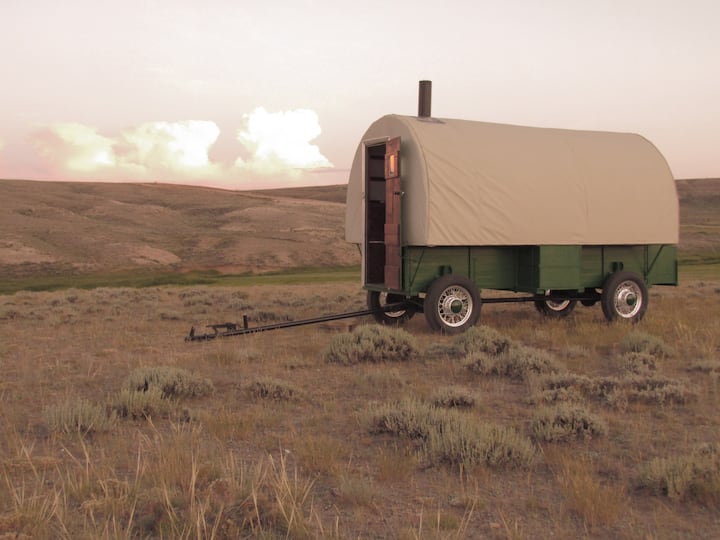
{"x":229,"y":329}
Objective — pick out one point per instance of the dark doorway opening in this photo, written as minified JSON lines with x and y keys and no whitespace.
{"x":375,"y":198}
{"x":383,"y":251}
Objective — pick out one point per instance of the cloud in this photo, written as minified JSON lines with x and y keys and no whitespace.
{"x":151,"y":151}
{"x":75,"y":147}
{"x":279,"y":142}
{"x":178,"y":146}
{"x":275,"y":149}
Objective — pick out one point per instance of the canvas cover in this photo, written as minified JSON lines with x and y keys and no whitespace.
{"x":476,"y":183}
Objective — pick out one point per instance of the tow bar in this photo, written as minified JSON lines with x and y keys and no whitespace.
{"x":229,"y":329}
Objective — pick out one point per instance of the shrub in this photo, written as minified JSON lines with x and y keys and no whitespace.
{"x":171,"y":381}
{"x":517,"y":363}
{"x":79,"y":416}
{"x":523,"y":361}
{"x":711,"y":367}
{"x":410,"y":418}
{"x":481,"y":339}
{"x":562,"y":381}
{"x":640,"y":342}
{"x":613,"y":391}
{"x":268,"y":388}
{"x":371,"y":344}
{"x":660,"y":390}
{"x":559,"y":387}
{"x":692,"y":476}
{"x":638,"y":362}
{"x":144,"y":403}
{"x":460,"y":439}
{"x":564,"y":422}
{"x":560,"y":395}
{"x":454,"y":397}
{"x":609,"y":391}
{"x":481,"y":363}
{"x":451,"y":436}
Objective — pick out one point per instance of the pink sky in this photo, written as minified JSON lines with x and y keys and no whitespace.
{"x":243,"y":94}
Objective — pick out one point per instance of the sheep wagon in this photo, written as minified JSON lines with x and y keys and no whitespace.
{"x":443,"y":209}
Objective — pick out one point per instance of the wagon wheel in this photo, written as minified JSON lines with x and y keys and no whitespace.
{"x":452,"y":304}
{"x":377,"y":299}
{"x":624,"y":297}
{"x":554,"y":308}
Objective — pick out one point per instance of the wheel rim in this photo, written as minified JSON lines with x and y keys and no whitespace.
{"x":383,"y":301}
{"x":628,"y":299}
{"x":557,"y":305}
{"x":455,"y":306}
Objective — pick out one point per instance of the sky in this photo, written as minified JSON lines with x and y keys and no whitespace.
{"x":246,"y":94}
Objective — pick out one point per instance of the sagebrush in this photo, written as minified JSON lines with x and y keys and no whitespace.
{"x":371,"y":344}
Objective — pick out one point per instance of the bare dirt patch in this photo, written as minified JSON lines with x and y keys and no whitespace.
{"x":17,"y":253}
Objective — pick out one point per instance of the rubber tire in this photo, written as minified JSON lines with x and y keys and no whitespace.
{"x":621,"y":293}
{"x":437,"y":301}
{"x":398,"y":319}
{"x":544,"y":307}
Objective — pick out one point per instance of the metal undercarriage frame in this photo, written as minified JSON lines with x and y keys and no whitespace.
{"x":229,"y":329}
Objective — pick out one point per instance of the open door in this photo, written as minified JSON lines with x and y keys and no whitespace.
{"x":393,"y":198}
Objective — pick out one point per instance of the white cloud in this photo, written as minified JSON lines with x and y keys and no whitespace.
{"x":164,"y":145}
{"x":155,"y":150}
{"x":77,"y":147}
{"x":276,"y":147}
{"x":280,"y":142}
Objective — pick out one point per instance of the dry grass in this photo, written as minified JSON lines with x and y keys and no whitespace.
{"x":598,"y":504}
{"x":80,"y":416}
{"x":261,"y":437}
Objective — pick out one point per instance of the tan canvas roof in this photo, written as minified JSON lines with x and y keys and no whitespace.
{"x":477,"y":183}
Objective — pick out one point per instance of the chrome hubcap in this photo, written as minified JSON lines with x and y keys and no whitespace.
{"x":628,"y":299}
{"x":455,"y":306}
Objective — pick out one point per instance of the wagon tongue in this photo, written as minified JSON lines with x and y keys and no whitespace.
{"x":234,"y":329}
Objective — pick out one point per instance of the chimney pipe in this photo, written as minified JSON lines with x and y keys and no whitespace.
{"x":424,"y":99}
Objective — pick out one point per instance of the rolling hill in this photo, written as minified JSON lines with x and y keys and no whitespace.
{"x":53,"y":228}
{"x":65,"y":228}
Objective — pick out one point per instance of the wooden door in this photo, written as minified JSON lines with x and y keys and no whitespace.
{"x":393,"y":197}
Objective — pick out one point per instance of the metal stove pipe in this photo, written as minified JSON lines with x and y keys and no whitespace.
{"x":424,"y":99}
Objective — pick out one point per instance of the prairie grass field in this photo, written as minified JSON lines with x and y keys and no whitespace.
{"x":111,"y":426}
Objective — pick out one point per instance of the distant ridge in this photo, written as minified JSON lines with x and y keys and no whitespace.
{"x":52,"y":228}
{"x":64,"y":228}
